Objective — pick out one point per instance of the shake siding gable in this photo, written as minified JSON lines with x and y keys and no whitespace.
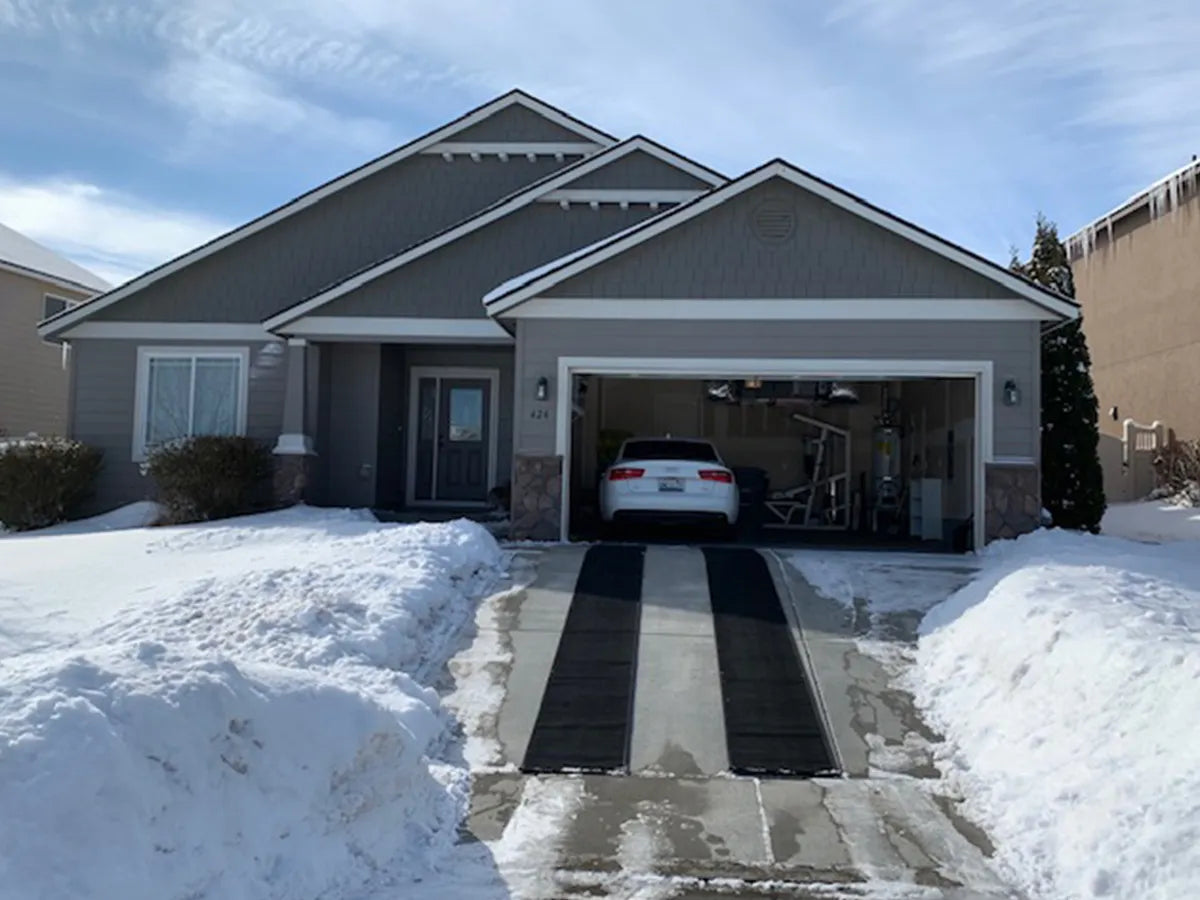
{"x":450,"y":281}
{"x":830,"y":253}
{"x":347,"y":231}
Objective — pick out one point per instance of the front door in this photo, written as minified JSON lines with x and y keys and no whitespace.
{"x":462,"y":465}
{"x":452,"y":445}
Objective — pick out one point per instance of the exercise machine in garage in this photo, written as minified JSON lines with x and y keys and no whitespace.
{"x":823,"y":501}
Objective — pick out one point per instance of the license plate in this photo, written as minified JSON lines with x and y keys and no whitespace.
{"x":670,"y":484}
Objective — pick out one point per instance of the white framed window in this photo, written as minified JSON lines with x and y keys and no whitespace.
{"x":52,"y":305}
{"x":186,"y":391}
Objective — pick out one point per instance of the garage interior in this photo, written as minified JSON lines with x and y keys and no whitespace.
{"x":855,"y":462}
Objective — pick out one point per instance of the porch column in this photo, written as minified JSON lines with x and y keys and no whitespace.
{"x":294,"y":455}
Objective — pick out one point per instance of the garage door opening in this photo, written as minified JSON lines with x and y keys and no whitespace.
{"x":857,"y":461}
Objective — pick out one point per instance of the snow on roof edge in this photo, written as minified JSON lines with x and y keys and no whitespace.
{"x":519,"y":281}
{"x":1119,"y":211}
{"x":24,"y":252}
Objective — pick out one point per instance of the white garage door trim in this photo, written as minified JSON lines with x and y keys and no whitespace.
{"x":981,"y":371}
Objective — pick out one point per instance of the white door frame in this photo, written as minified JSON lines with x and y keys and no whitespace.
{"x":980,"y":370}
{"x":415,"y":374}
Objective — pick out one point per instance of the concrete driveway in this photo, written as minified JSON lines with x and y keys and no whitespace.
{"x":678,"y":824}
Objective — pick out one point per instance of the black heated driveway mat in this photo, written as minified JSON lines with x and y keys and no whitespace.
{"x":771,"y":722}
{"x":586,"y":714}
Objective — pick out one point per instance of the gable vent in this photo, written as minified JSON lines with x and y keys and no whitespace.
{"x":773,"y":221}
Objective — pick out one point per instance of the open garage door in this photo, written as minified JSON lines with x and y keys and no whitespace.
{"x":850,"y":459}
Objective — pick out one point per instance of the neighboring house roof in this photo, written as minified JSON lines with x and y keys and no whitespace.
{"x":497,"y":210}
{"x":26,"y":256}
{"x":1161,"y":197}
{"x":522,"y":288}
{"x":587,"y":134}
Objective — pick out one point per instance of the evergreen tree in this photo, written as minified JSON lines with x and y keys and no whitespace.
{"x":1072,"y":480}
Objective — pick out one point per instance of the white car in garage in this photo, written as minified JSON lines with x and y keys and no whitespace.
{"x":669,"y":478}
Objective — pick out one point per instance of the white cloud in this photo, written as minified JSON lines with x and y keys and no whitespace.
{"x":219,"y":96}
{"x":113,"y":235}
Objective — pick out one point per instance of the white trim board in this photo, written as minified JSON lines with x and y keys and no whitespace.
{"x":980,"y":371}
{"x":142,"y":385}
{"x":514,"y":148}
{"x":415,"y":330}
{"x":415,"y":374}
{"x":494,"y":213}
{"x":1060,"y":308}
{"x":621,"y":195}
{"x":306,"y":200}
{"x":759,"y":310}
{"x":171,"y":331}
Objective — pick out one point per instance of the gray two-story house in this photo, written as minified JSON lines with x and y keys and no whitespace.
{"x":486,"y":310}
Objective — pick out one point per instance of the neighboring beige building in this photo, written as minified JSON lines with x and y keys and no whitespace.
{"x":1137,"y":277}
{"x":34,"y":375}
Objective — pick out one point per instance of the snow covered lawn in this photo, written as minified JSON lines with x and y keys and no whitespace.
{"x":234,"y":710}
{"x":1152,"y":520}
{"x":1066,"y":680}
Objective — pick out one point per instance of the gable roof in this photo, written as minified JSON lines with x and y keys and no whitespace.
{"x":26,"y":256}
{"x":522,"y":288}
{"x":587,"y":133}
{"x":497,"y":210}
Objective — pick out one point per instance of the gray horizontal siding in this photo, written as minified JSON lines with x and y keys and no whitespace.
{"x":356,"y":227}
{"x":831,"y":253}
{"x":450,"y":282}
{"x":1012,"y":346}
{"x":102,"y":413}
{"x":519,"y":124}
{"x":639,"y":170}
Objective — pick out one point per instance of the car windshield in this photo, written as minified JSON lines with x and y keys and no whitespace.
{"x":693,"y":451}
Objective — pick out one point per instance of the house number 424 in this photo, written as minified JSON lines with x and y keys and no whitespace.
{"x":540,"y":414}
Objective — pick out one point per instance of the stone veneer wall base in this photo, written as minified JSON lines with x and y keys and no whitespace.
{"x":293,"y":478}
{"x":536,"y":497}
{"x":1012,"y":501}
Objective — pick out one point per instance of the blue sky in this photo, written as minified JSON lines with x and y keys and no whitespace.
{"x":135,"y":130}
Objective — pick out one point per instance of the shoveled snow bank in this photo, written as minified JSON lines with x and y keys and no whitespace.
{"x":1066,"y":680}
{"x":132,"y":515}
{"x":1152,"y":520}
{"x":236,"y":710}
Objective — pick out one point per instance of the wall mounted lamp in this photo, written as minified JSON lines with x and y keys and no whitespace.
{"x":542,"y":392}
{"x":1012,"y":393}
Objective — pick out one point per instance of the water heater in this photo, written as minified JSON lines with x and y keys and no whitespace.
{"x":886,"y":464}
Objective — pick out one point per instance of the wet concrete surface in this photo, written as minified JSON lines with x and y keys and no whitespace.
{"x":681,"y":828}
{"x":710,"y":836}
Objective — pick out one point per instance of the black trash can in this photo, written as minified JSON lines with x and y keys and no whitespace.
{"x":752,"y":496}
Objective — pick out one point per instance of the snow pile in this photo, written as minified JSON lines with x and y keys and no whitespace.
{"x":882,"y":582}
{"x":1152,"y":520}
{"x":133,"y":515}
{"x":235,"y":710}
{"x":1066,"y":680}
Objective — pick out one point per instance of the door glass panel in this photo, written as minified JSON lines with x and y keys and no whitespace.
{"x":466,"y":414}
{"x":426,"y":434}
